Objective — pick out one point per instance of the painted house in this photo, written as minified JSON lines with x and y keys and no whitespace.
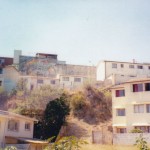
{"x":18,"y":129}
{"x":119,"y":72}
{"x":131,"y":106}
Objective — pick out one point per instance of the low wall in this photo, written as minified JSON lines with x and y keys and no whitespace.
{"x":129,"y":138}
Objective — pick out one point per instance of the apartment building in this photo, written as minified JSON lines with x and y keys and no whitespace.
{"x":119,"y":72}
{"x":131,"y":106}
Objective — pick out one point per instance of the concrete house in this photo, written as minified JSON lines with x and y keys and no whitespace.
{"x":131,"y":106}
{"x":18,"y":129}
{"x":118,"y":72}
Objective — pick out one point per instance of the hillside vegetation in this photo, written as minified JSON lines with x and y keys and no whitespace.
{"x":91,"y":105}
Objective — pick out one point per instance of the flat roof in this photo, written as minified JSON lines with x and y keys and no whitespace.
{"x":11,"y":114}
{"x":146,"y":63}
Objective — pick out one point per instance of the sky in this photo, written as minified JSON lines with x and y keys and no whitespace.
{"x":79,"y":31}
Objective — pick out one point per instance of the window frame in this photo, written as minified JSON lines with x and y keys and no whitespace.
{"x":139,"y":66}
{"x":76,"y":79}
{"x":122,"y":65}
{"x":27,"y":126}
{"x":114,"y":65}
{"x":131,"y":66}
{"x":13,"y":125}
{"x":121,"y":130}
{"x":147,"y":86}
{"x":136,"y":87}
{"x":41,"y":81}
{"x":137,"y":108}
{"x":147,"y":108}
{"x":120,"y":112}
{"x":65,"y":78}
{"x":118,"y":93}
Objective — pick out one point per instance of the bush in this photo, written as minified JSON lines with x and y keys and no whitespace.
{"x":136,"y":131}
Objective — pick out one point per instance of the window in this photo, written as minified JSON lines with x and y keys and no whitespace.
{"x":40,"y":81}
{"x":149,"y":67}
{"x":0,"y":83}
{"x":13,"y":125}
{"x":120,"y":112}
{"x":137,"y":87}
{"x":122,"y":65}
{"x":121,"y":130}
{"x":1,"y":71}
{"x":148,"y":108}
{"x":31,"y":87}
{"x":120,"y":93}
{"x":52,"y":81}
{"x":140,"y":67}
{"x":27,"y":126}
{"x":131,"y":66}
{"x":65,"y":78}
{"x":139,"y":108}
{"x":147,"y":86}
{"x":77,"y":79}
{"x":114,"y":65}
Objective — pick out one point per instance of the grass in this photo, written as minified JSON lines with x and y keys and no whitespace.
{"x":107,"y":147}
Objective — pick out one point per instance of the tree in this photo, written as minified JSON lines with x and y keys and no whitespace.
{"x":66,"y":143}
{"x":141,"y":143}
{"x":54,"y":117}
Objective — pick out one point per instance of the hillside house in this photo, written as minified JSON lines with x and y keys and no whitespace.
{"x":18,"y":129}
{"x":118,"y":72}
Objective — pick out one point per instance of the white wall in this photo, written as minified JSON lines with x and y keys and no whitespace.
{"x":101,"y":71}
{"x":129,"y":138}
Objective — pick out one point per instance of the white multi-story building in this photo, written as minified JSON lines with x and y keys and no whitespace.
{"x":119,"y":72}
{"x":131,"y":106}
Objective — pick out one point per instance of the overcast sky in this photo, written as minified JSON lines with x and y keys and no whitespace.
{"x":79,"y":31}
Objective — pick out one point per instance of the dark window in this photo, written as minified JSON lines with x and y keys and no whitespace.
{"x":122,"y":65}
{"x":120,"y":112}
{"x":0,"y":83}
{"x":121,"y":130}
{"x":31,"y":87}
{"x":1,"y":71}
{"x":120,"y":93}
{"x":114,"y":65}
{"x":147,"y":86}
{"x":148,"y":67}
{"x":140,"y":67}
{"x":137,"y":87}
{"x":77,"y":79}
{"x":148,"y":108}
{"x":52,"y":81}
{"x":131,"y":66}
{"x":27,"y":126}
{"x":40,"y":81}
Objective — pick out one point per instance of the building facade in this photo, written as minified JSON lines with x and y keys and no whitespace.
{"x":131,"y":106}
{"x":121,"y":71}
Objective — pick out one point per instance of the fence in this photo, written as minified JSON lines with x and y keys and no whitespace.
{"x":129,"y":138}
{"x":99,"y":137}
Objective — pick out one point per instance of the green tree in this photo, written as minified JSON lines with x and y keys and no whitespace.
{"x":54,"y":117}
